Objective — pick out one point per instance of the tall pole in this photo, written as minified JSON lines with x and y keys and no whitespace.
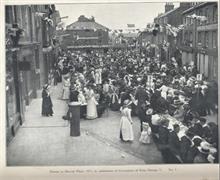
{"x":195,"y":41}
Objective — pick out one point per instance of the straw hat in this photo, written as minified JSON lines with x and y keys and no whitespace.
{"x":127,"y":102}
{"x":139,"y":79}
{"x":149,"y":111}
{"x":204,"y":148}
{"x":155,"y":119}
{"x":145,"y":125}
{"x":204,"y":87}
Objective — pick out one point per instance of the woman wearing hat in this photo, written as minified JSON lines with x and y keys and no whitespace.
{"x":126,"y":130}
{"x":46,"y":103}
{"x":91,"y":103}
{"x":66,"y":87}
{"x":202,"y":155}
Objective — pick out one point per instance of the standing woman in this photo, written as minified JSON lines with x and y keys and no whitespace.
{"x":126,"y":130}
{"x":114,"y":105}
{"x":47,"y":103}
{"x":66,"y":88}
{"x":91,"y":104}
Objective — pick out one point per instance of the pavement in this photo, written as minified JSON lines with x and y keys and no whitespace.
{"x":46,"y":141}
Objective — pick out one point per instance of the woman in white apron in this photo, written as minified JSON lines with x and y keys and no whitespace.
{"x":91,"y":104}
{"x":126,"y":129}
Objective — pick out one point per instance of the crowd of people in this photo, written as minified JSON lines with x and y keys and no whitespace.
{"x":168,"y":98}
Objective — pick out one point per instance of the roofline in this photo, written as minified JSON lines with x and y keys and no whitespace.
{"x":166,"y":13}
{"x":197,"y":6}
{"x":85,"y":22}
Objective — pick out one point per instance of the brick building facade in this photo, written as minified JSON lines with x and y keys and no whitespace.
{"x":199,"y":39}
{"x":173,"y":17}
{"x":29,"y":55}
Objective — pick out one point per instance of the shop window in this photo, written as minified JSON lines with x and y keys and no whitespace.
{"x":200,"y":14}
{"x":188,"y":21}
{"x":186,"y":38}
{"x":214,"y":39}
{"x":191,"y":37}
{"x":199,"y":38}
{"x":207,"y":14}
{"x":215,"y":14}
{"x":184,"y":20}
{"x":8,"y":14}
{"x":215,"y":67}
{"x":206,"y":39}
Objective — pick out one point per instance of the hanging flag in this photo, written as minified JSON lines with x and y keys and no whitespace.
{"x":202,"y":18}
{"x":194,"y":16}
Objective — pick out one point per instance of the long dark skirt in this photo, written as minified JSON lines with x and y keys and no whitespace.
{"x":114,"y":106}
{"x":47,"y":106}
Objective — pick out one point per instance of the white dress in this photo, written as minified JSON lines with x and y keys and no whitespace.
{"x":98,"y":76}
{"x":91,"y":105}
{"x":126,"y":130}
{"x":164,"y":90}
{"x":145,"y":137}
{"x":66,"y":89}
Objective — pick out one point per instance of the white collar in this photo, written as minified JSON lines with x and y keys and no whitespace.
{"x":205,"y":125}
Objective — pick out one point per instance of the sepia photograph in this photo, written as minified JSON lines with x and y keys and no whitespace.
{"x":111,"y":84}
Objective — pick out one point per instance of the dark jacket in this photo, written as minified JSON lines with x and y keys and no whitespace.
{"x":201,"y":158}
{"x":141,"y":95}
{"x":191,"y":154}
{"x":185,"y":145}
{"x":206,"y":133}
{"x":163,"y":133}
{"x":174,"y":143}
{"x":197,"y":129}
{"x":46,"y":104}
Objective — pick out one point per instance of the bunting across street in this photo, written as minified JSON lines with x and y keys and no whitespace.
{"x":201,"y":18}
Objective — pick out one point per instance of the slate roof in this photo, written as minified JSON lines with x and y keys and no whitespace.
{"x":86,"y":25}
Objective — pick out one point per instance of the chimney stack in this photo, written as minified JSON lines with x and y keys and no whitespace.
{"x":169,"y":6}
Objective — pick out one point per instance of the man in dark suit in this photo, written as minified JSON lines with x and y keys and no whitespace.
{"x":163,"y":146}
{"x":174,"y":142}
{"x":196,"y":127}
{"x":206,"y":132}
{"x":185,"y":145}
{"x":141,"y":95}
{"x":163,"y":132}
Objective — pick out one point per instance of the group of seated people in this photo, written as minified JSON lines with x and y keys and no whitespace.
{"x":199,"y":143}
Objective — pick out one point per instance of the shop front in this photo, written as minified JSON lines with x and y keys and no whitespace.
{"x":14,"y":100}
